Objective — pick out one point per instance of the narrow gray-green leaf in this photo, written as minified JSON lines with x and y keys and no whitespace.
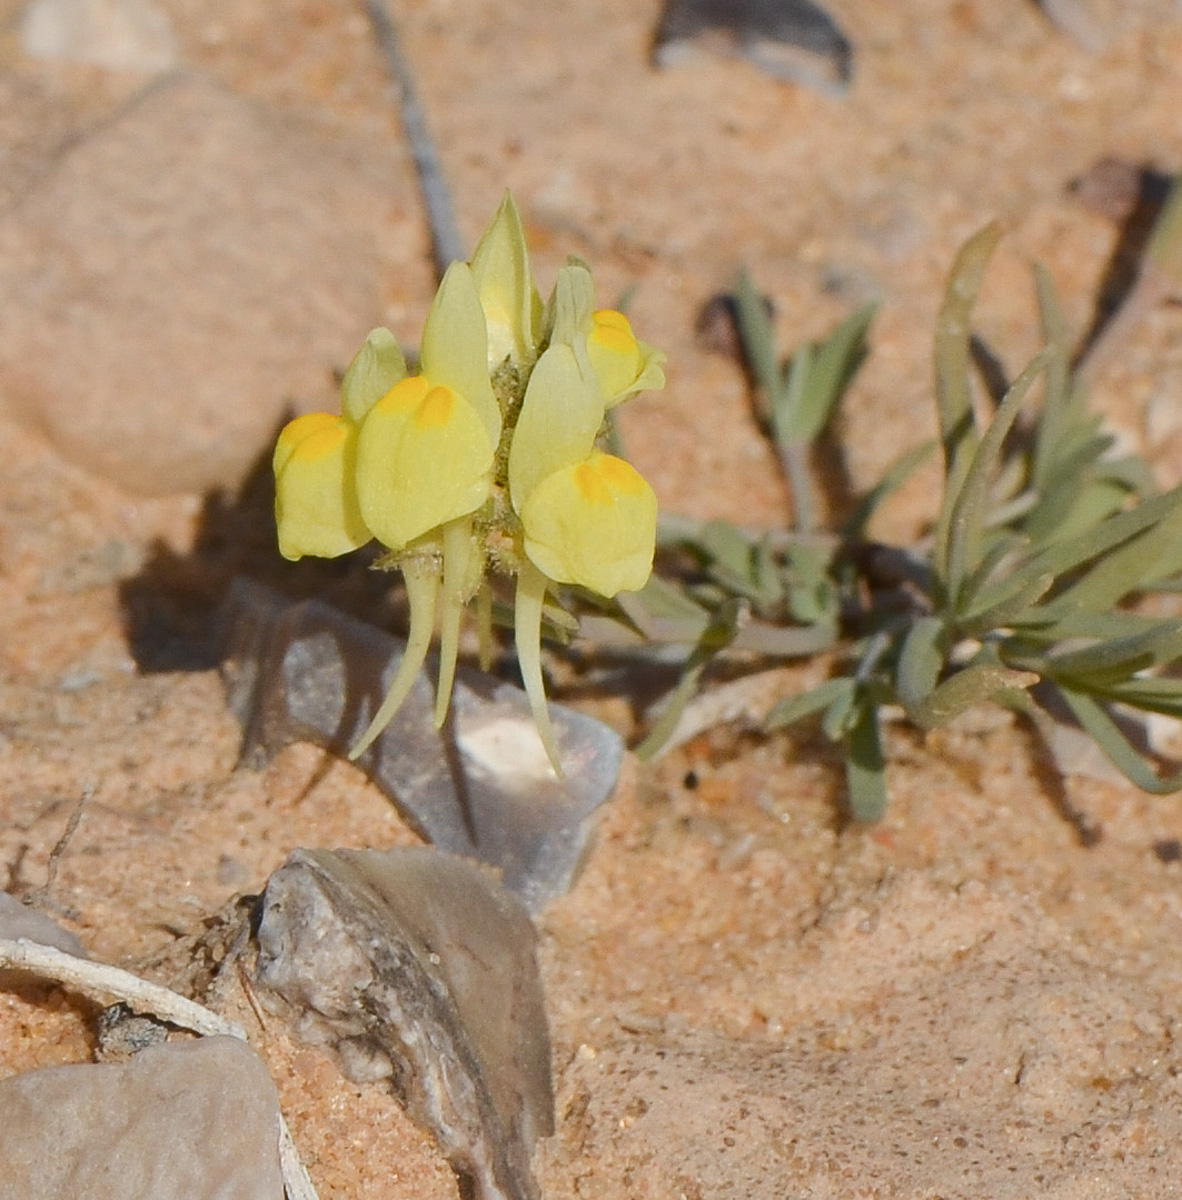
{"x":865,"y":768}
{"x":969,"y":509}
{"x":1107,"y":735}
{"x":1149,"y":693}
{"x":1109,"y":661}
{"x":1153,"y":554}
{"x":974,"y":685}
{"x":1061,"y":557}
{"x":953,"y":362}
{"x":921,"y":658}
{"x":1057,"y":409}
{"x":807,"y":704}
{"x":838,"y":718}
{"x":1007,"y":609}
{"x":725,"y":623}
{"x":833,"y":364}
{"x":755,"y":331}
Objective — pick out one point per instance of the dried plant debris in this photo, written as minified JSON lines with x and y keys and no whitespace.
{"x":481,"y":787}
{"x":792,"y":40}
{"x":417,"y":967}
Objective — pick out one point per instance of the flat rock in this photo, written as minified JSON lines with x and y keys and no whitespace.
{"x":19,"y":921}
{"x":481,"y":787}
{"x":183,"y":276}
{"x":183,"y":1121}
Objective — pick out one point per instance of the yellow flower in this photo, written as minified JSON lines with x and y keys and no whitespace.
{"x":425,"y":449}
{"x":593,"y":524}
{"x":602,"y":339}
{"x":316,"y":506}
{"x":431,"y":465}
{"x":424,"y":465}
{"x":587,"y":518}
{"x":561,"y":416}
{"x":623,"y":365}
{"x":512,"y":306}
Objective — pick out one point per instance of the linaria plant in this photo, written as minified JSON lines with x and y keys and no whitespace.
{"x":1021,"y":596}
{"x":484,"y":459}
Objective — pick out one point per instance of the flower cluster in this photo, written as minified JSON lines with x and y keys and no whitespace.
{"x":485,"y":458}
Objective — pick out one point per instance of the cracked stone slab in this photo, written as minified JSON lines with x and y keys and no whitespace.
{"x":481,"y":787}
{"x":417,"y":968}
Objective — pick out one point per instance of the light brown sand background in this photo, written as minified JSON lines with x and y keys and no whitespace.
{"x":748,"y":997}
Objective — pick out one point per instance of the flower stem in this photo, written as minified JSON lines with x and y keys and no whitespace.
{"x":457,"y":564}
{"x":422,"y":593}
{"x":527,"y":628}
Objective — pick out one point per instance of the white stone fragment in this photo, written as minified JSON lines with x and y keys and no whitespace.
{"x":120,"y":35}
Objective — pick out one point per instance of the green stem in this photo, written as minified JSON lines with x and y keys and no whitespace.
{"x":527,"y":630}
{"x":422,"y":592}
{"x":457,"y":564}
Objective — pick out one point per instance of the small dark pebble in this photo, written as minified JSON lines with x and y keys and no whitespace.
{"x":122,"y":1032}
{"x":1168,"y":850}
{"x":1115,"y":188}
{"x":717,"y":326}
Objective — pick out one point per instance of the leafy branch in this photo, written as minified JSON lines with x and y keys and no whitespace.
{"x":1024,"y":594}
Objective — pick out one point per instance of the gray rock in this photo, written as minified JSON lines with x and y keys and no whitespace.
{"x":181,"y":277}
{"x":121,"y":35}
{"x":17,"y":920}
{"x":417,"y":967}
{"x":183,"y":1121}
{"x":795,"y":41}
{"x":481,"y":787}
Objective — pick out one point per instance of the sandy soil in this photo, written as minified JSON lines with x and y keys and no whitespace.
{"x":749,"y":997}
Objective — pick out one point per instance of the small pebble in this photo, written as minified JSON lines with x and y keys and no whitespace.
{"x":795,"y":41}
{"x":1168,"y":850}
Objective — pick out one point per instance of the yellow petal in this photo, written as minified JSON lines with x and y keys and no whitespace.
{"x":454,"y":350}
{"x":623,"y":365}
{"x":512,"y":308}
{"x":559,"y":420}
{"x":593,"y":524}
{"x":316,"y":507}
{"x":569,"y":314}
{"x":423,"y":458}
{"x":375,"y":369}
